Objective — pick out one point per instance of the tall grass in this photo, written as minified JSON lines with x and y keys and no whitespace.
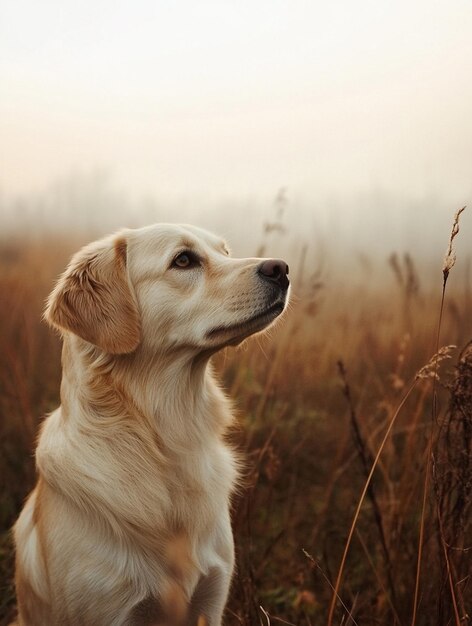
{"x":312,"y":431}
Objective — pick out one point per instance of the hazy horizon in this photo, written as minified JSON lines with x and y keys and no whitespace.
{"x":112,"y":113}
{"x":238,"y":98}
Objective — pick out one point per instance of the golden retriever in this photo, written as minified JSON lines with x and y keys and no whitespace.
{"x":129,"y":523}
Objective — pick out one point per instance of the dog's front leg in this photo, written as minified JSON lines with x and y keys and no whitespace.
{"x":209,"y":599}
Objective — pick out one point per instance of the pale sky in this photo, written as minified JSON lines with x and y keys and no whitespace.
{"x":239,"y":98}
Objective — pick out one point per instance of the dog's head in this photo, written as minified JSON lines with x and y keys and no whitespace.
{"x":166,"y":286}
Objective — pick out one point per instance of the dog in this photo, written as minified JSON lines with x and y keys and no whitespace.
{"x":129,"y":523}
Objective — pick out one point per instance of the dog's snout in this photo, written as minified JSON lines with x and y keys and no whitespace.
{"x":276,"y":271}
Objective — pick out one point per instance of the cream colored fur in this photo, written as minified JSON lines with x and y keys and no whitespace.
{"x":129,"y":523}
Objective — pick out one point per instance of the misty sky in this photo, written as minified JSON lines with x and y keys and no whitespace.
{"x":226,"y":97}
{"x":201,"y":111}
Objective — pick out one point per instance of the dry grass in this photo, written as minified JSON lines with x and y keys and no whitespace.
{"x":311,"y":430}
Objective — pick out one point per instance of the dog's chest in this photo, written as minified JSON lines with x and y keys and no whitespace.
{"x":200,"y":485}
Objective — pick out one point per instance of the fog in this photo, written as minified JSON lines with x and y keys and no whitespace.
{"x":352,"y":120}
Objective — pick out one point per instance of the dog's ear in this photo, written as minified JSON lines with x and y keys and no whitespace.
{"x":94,"y":298}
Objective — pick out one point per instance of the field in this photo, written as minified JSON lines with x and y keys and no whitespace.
{"x":315,"y":399}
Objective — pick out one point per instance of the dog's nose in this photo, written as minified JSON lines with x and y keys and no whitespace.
{"x":276,"y":271}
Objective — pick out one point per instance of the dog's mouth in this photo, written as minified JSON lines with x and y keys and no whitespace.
{"x":252,"y":325}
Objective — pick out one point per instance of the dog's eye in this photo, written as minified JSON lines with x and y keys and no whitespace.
{"x":185,"y":260}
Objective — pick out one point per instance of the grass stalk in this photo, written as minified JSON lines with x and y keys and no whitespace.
{"x":449,"y":262}
{"x":337,"y":585}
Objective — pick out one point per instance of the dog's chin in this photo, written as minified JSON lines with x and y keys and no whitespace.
{"x":234,"y":334}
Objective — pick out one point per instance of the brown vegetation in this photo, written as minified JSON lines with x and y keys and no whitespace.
{"x":316,"y":399}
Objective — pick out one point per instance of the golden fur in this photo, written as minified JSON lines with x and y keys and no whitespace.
{"x":129,"y":523}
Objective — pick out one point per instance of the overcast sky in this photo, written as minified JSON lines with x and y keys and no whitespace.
{"x":362,"y":111}
{"x":239,"y":98}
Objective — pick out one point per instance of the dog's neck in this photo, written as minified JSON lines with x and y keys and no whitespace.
{"x":175,"y":394}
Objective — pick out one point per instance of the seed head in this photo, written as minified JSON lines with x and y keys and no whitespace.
{"x":450,"y":258}
{"x":430,"y":370}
